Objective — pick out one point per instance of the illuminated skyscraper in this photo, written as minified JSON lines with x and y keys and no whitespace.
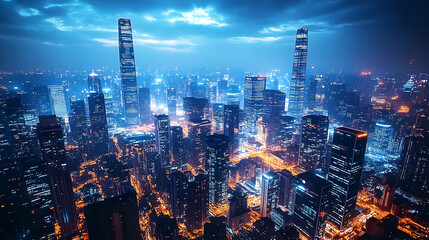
{"x":94,"y":83}
{"x":218,"y":161}
{"x":231,"y":127}
{"x":296,"y":98}
{"x":144,"y":105}
{"x":197,"y":133}
{"x":274,"y":106}
{"x":414,"y":165}
{"x":268,"y":193}
{"x":51,"y":140}
{"x":178,"y":187}
{"x":253,"y":103}
{"x":312,"y":151}
{"x":312,"y":199}
{"x":345,"y":170}
{"x":58,"y":100}
{"x":15,"y":213}
{"x":128,"y":71}
{"x":98,"y":118}
{"x":286,"y":130}
{"x":218,"y":117}
{"x":197,"y":201}
{"x":162,"y":136}
{"x":79,"y":125}
{"x":177,"y":145}
{"x":320,"y":98}
{"x":195,"y":108}
{"x":172,"y":102}
{"x":381,"y":138}
{"x":285,"y":194}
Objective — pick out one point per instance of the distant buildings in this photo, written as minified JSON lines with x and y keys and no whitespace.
{"x":128,"y":72}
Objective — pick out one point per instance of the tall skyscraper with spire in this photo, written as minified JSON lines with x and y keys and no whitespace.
{"x":128,"y":71}
{"x":296,"y":98}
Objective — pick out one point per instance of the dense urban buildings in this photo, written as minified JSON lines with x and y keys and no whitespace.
{"x":214,"y":152}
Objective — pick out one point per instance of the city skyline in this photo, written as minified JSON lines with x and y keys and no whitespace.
{"x":217,"y":153}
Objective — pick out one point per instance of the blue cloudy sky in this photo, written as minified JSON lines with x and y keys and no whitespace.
{"x":242,"y":34}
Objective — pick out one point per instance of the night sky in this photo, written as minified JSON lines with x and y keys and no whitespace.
{"x":242,"y":34}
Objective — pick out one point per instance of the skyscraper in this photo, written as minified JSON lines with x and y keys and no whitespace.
{"x":172,"y":102}
{"x":238,"y":213}
{"x":218,"y":161}
{"x":197,"y":133}
{"x":285,"y":194}
{"x":51,"y":139}
{"x":195,"y":108}
{"x":274,"y":106}
{"x":345,"y":170}
{"x":114,"y":218}
{"x":296,"y":98}
{"x":312,"y":151}
{"x":312,"y":196}
{"x":231,"y":127}
{"x":79,"y":125}
{"x":162,"y":136}
{"x":98,"y":118}
{"x":144,"y":105}
{"x":218,"y":117}
{"x":269,"y":190}
{"x":128,"y":71}
{"x":286,"y":130}
{"x":381,"y":138}
{"x":58,"y":100}
{"x":320,"y":98}
{"x":197,"y":201}
{"x":253,"y":103}
{"x":178,"y":188}
{"x":414,"y":164}
{"x":177,"y":145}
{"x":94,"y":83}
{"x":14,"y":210}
